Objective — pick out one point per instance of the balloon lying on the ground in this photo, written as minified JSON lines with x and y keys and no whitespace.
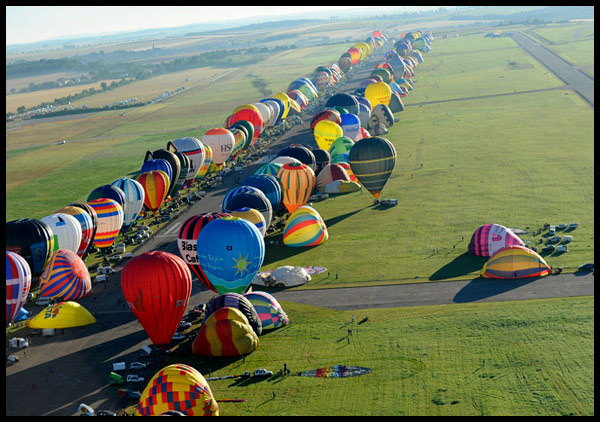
{"x":268,"y":185}
{"x":134,"y":198}
{"x":187,"y":240}
{"x":336,"y":371}
{"x":305,"y":227}
{"x":156,"y":186}
{"x":330,"y":173}
{"x":326,"y":132}
{"x":290,"y":276}
{"x":62,"y":315}
{"x":195,"y":151}
{"x":108,"y":191}
{"x":230,"y":251}
{"x":110,"y":221}
{"x":157,"y":286}
{"x":225,"y":333}
{"x":269,"y":311}
{"x":253,"y":216}
{"x":297,"y":181}
{"x":251,"y":197}
{"x":65,"y":277}
{"x":87,"y":227}
{"x":490,"y":238}
{"x":66,"y":229}
{"x":18,"y":283}
{"x":239,"y":302}
{"x":372,"y":161}
{"x":340,"y":186}
{"x":177,"y":387}
{"x":515,"y":261}
{"x":33,"y":240}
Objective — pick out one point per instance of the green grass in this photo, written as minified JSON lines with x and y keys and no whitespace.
{"x":511,"y":358}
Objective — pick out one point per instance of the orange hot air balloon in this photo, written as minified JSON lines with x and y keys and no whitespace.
{"x":157,"y":286}
{"x":298,"y":181}
{"x":156,"y":186}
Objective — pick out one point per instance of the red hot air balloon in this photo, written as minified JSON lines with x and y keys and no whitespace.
{"x":250,"y":115}
{"x":157,"y":286}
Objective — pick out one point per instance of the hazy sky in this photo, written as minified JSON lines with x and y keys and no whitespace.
{"x":36,"y":23}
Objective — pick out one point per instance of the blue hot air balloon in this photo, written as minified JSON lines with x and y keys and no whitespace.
{"x":230,"y":251}
{"x":134,"y":198}
{"x":268,"y":184}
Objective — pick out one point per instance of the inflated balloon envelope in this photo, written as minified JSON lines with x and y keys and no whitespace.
{"x":226,"y":332}
{"x":62,"y":315}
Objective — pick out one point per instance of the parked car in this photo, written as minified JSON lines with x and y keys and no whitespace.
{"x":562,"y":248}
{"x":185,"y":325}
{"x":262,"y":372}
{"x":561,"y":226}
{"x":137,"y":365}
{"x":548,"y":249}
{"x":586,"y":268}
{"x":43,"y":301}
{"x":134,"y":378}
{"x":105,"y":413}
{"x":554,"y":239}
{"x":178,"y":336}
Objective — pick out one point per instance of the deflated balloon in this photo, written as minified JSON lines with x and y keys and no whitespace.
{"x":269,"y":311}
{"x":62,"y":315}
{"x":230,"y":251}
{"x":490,"y":238}
{"x":515,"y":261}
{"x":66,"y":277}
{"x":157,"y":286}
{"x":18,"y":283}
{"x":372,"y":161}
{"x":177,"y":387}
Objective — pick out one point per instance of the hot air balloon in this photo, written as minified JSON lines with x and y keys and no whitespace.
{"x":301,"y":153}
{"x":251,"y":197}
{"x":94,"y":216}
{"x":253,"y":216}
{"x":221,"y":142}
{"x":364,"y":115}
{"x":18,"y":283}
{"x":65,"y":276}
{"x":66,"y":229}
{"x":305,"y":227}
{"x":206,"y":163}
{"x":110,"y":221}
{"x":62,"y":315}
{"x":230,"y":251}
{"x":225,"y":333}
{"x":372,"y":161}
{"x":87,"y":227}
{"x":156,"y":186}
{"x":330,"y":173}
{"x":515,"y":261}
{"x":327,"y":114}
{"x":350,"y":125}
{"x":250,"y":115}
{"x":185,"y":167}
{"x":280,"y":107}
{"x":298,"y":181}
{"x":490,"y":238}
{"x":108,"y":191}
{"x":343,"y":100}
{"x":283,"y":160}
{"x":396,"y":105}
{"x":240,"y":136}
{"x":381,"y":115}
{"x":195,"y":151}
{"x":269,"y":168}
{"x":322,"y":158}
{"x":239,"y":302}
{"x":340,"y":149}
{"x":170,"y":156}
{"x":187,"y":241}
{"x":345,"y":62}
{"x":269,"y":311}
{"x":134,"y":199}
{"x":326,"y":132}
{"x":268,"y":185}
{"x":157,"y":286}
{"x":248,"y":127}
{"x":177,"y":387}
{"x":378,"y":93}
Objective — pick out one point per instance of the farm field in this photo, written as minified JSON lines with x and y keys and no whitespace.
{"x":471,"y":359}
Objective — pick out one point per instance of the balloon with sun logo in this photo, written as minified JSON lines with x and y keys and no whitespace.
{"x":230,"y":251}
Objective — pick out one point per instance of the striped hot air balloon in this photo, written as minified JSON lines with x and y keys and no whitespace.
{"x":490,"y":238}
{"x":110,"y":221}
{"x":87,"y":226}
{"x":269,"y":311}
{"x":18,"y":283}
{"x":66,"y":276}
{"x":156,"y":186}
{"x":297,"y":181}
{"x":372,"y":161}
{"x":305,"y":227}
{"x":134,"y":198}
{"x":515,"y":261}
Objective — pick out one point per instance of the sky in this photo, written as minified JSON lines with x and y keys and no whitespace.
{"x":25,"y":24}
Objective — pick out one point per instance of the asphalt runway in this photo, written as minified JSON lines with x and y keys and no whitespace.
{"x":58,"y":373}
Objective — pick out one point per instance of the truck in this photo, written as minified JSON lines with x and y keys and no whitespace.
{"x":18,"y":343}
{"x":262,"y":372}
{"x":48,"y":332}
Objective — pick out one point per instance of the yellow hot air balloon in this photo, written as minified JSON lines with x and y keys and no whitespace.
{"x":286,"y":102}
{"x":378,"y":93}
{"x":177,"y":387}
{"x":238,"y":108}
{"x":62,"y":315}
{"x":326,"y":132}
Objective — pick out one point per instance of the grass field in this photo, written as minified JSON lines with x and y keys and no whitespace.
{"x":519,"y":358}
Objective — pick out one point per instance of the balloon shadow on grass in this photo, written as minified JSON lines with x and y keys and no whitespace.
{"x":460,"y":266}
{"x":483,"y":288}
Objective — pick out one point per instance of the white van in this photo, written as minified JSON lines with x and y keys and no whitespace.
{"x":119,"y":366}
{"x":101,"y":278}
{"x":120,"y":248}
{"x":48,"y":332}
{"x":105,"y":270}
